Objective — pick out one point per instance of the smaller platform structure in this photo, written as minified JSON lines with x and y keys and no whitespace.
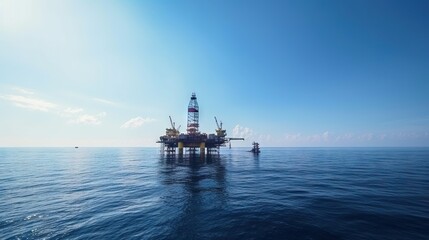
{"x":255,"y":148}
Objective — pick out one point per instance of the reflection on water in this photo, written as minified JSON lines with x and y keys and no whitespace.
{"x":202,"y":186}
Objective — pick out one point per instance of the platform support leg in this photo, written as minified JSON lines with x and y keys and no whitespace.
{"x":180,"y":146}
{"x":202,"y":148}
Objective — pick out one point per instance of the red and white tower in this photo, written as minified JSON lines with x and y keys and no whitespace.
{"x":193,"y":115}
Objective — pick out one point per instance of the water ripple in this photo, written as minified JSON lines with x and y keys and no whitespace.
{"x":284,"y":193}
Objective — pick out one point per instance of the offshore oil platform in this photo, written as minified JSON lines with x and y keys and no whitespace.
{"x":255,"y":148}
{"x":193,"y":141}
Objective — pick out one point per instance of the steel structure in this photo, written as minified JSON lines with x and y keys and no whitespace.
{"x":193,"y":141}
{"x":255,"y":148}
{"x":193,"y":116}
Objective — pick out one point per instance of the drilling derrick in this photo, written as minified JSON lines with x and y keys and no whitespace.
{"x":193,"y":116}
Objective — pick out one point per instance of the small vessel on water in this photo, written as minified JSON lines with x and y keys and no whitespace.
{"x":255,"y":148}
{"x":76,"y":147}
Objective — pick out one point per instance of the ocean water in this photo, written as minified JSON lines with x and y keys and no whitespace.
{"x":284,"y":193}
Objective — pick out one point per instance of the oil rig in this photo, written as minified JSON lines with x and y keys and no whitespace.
{"x":255,"y":148}
{"x":193,"y":141}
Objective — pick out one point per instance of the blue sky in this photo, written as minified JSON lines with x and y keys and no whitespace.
{"x":284,"y":73}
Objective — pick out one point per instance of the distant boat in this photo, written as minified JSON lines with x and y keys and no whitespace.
{"x":76,"y":147}
{"x":255,"y":148}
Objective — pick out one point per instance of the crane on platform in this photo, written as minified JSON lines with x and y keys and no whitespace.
{"x":173,"y":124}
{"x":220,"y":127}
{"x":219,"y":131}
{"x":172,"y":132}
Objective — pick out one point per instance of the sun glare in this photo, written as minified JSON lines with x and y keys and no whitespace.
{"x":18,"y":15}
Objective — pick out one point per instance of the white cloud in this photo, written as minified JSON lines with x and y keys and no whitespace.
{"x":17,"y":15}
{"x":75,"y":115}
{"x":72,"y":110}
{"x":30,"y":102}
{"x":23,"y":91}
{"x":346,"y":139}
{"x":293,"y":137}
{"x":242,"y":132}
{"x":264,"y":137}
{"x":314,"y":138}
{"x":326,"y":136}
{"x":366,"y":136}
{"x":136,"y":122}
{"x":108,"y":102}
{"x":88,"y":119}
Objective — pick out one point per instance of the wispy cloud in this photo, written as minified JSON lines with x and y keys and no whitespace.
{"x":105,"y":101}
{"x":88,"y":119}
{"x":75,"y":115}
{"x":350,"y":139}
{"x":242,"y":132}
{"x":69,"y":112}
{"x":72,"y":110}
{"x":136,"y":122}
{"x":264,"y":137}
{"x":30,"y":102}
{"x":324,"y":137}
{"x":23,"y":91}
{"x":366,"y":136}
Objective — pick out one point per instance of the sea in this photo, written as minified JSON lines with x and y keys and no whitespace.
{"x":282,"y":193}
